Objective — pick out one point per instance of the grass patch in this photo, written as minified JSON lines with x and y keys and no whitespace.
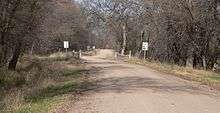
{"x":43,"y":85}
{"x":73,"y":73}
{"x":11,"y":78}
{"x":215,"y":78}
{"x":53,"y":91}
{"x":47,"y":98}
{"x":40,"y":106}
{"x":44,"y":100}
{"x":57,"y":57}
{"x":205,"y":77}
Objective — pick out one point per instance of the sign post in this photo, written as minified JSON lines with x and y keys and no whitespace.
{"x":66,"y":45}
{"x":145,"y":47}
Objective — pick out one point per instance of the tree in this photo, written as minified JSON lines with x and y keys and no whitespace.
{"x":182,"y":32}
{"x":19,"y":19}
{"x":66,"y":22}
{"x":40,"y":26}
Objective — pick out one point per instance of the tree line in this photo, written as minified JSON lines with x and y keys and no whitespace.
{"x":39,"y":27}
{"x":182,"y":32}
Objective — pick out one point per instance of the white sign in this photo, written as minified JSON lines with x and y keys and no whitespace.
{"x":145,"y":46}
{"x":66,"y":44}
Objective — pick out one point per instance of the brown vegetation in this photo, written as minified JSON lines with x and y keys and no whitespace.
{"x":39,"y":27}
{"x":182,"y":32}
{"x":39,"y":83}
{"x":203,"y":77}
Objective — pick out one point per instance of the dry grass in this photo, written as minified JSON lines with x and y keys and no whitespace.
{"x":39,"y":84}
{"x":204,"y":77}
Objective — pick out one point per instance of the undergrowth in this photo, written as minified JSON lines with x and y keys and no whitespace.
{"x":39,"y":83}
{"x":204,"y":77}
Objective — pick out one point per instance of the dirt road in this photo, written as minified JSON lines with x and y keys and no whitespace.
{"x":126,"y":88}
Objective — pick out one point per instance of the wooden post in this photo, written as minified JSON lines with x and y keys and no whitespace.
{"x":130,"y":54}
{"x":80,"y":54}
{"x":145,"y":54}
{"x":116,"y":55}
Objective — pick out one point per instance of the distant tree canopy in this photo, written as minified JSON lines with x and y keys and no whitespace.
{"x":183,"y":32}
{"x":66,"y":23}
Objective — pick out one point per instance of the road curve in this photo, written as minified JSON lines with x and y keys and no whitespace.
{"x":126,"y":88}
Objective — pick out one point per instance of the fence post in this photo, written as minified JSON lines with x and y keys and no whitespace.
{"x":130,"y":54}
{"x":116,"y":55}
{"x":80,"y":54}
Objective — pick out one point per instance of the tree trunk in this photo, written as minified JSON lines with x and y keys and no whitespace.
{"x":204,"y":63}
{"x":2,"y":56}
{"x":3,"y":52}
{"x":190,"y":58}
{"x":124,"y":41}
{"x":32,"y":49}
{"x":14,"y":60}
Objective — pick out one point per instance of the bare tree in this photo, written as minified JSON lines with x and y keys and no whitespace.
{"x":183,"y":32}
{"x":19,"y":19}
